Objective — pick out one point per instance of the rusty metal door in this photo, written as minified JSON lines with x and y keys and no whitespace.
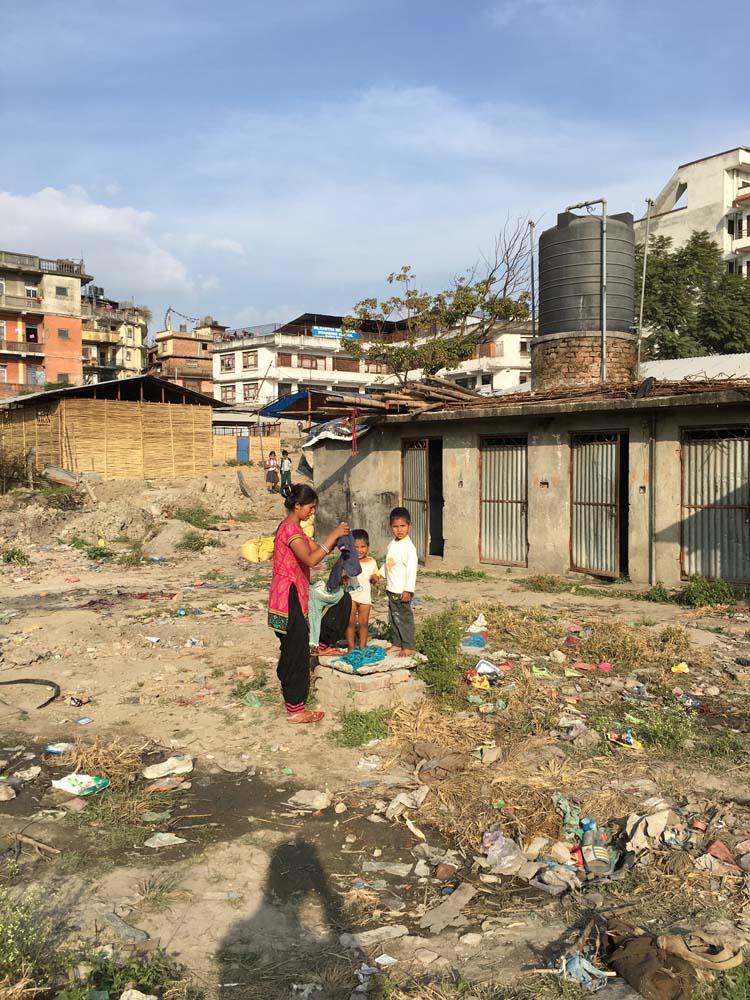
{"x":595,"y":504}
{"x":415,"y":491}
{"x":715,"y":532}
{"x":503,"y":522}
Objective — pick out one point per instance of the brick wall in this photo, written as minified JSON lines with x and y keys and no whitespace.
{"x":574,"y":359}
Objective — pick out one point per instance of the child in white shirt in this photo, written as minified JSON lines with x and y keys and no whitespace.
{"x":361,"y":593}
{"x":401,"y":582}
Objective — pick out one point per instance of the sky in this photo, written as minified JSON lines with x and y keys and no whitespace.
{"x":255,"y":159}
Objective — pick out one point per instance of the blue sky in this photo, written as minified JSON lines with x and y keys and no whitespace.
{"x":254,"y":160}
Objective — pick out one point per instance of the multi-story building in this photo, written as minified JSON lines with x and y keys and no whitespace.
{"x":502,"y":360}
{"x":40,"y":321}
{"x":711,"y":194}
{"x":113,"y":335}
{"x":185,"y":356}
{"x":259,"y":364}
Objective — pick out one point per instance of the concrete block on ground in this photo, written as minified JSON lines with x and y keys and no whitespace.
{"x":336,"y":690}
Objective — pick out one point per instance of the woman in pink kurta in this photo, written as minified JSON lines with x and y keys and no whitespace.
{"x":293,"y":555}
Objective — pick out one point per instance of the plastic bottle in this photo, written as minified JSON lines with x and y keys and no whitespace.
{"x":596,"y":858}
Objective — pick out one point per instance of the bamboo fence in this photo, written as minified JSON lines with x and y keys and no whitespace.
{"x":117,"y":439}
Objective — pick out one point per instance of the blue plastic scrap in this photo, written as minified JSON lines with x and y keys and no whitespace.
{"x":581,"y":971}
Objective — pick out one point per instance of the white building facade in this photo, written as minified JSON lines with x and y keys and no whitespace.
{"x":711,"y":194}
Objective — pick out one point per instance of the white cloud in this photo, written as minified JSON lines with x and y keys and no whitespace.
{"x":118,"y":244}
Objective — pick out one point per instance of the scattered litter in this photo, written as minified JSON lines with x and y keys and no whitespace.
{"x":81,"y":784}
{"x":399,"y":870}
{"x":681,"y":668}
{"x":28,"y":774}
{"x":85,"y":721}
{"x":58,"y":749}
{"x":251,"y":700}
{"x":437,"y":918}
{"x":180,"y":764}
{"x":6,"y":792}
{"x":164,"y":840}
{"x":625,"y":739}
{"x":311,"y":799}
{"x":127,"y":933}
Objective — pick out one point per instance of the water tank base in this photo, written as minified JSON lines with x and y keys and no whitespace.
{"x":572,"y":360}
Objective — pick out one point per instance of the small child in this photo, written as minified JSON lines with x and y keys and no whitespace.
{"x":361,"y":593}
{"x":401,"y":581}
{"x":286,"y":473}
{"x":272,"y":472}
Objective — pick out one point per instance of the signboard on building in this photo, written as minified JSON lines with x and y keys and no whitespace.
{"x":334,"y":333}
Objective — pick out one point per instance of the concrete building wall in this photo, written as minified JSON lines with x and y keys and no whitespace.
{"x":363,"y":488}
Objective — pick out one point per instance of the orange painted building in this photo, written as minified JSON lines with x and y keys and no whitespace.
{"x":40,"y":322}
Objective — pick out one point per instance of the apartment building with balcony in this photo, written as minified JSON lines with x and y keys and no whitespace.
{"x":711,"y":194}
{"x":259,"y":364}
{"x":184,"y":356}
{"x":113,"y":337}
{"x":40,"y":321}
{"x":502,"y":360}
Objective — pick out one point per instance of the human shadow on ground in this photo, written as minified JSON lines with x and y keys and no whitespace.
{"x":263,"y":955}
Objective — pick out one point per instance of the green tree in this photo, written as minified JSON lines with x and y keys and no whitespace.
{"x":440,"y":330}
{"x":692,"y":306}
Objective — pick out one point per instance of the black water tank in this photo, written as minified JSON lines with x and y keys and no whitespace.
{"x":570,"y":274}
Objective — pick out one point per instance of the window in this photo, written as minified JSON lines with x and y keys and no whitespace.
{"x":747,"y":269}
{"x":730,"y":267}
{"x":61,"y":291}
{"x":227,"y":362}
{"x":32,"y":334}
{"x":228,"y":393}
{"x":486,"y":380}
{"x":63,"y":377}
{"x":191,"y":364}
{"x":31,"y":291}
{"x":463,"y":382}
{"x":128,"y":355}
{"x":204,"y":347}
{"x":249,"y":359}
{"x":63,"y":333}
{"x":730,"y":227}
{"x":249,"y":391}
{"x":2,"y":286}
{"x":524,"y":347}
{"x":2,"y":329}
{"x":523,"y":379}
{"x":310,"y":361}
{"x":3,"y":373}
{"x":284,"y":360}
{"x":129,"y":333}
{"x":738,"y":229}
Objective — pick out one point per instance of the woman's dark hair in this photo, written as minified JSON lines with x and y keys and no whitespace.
{"x":400,"y":514}
{"x":300,"y":494}
{"x":360,"y":535}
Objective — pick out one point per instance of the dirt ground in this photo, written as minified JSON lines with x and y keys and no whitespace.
{"x":257,"y":896}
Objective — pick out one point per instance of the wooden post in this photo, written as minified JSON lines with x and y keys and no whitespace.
{"x":106,"y":456}
{"x":143,"y":436}
{"x":194,"y":455}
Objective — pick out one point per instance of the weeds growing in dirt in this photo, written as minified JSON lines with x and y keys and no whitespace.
{"x":665,"y":727}
{"x":197,"y":517}
{"x":462,"y":574}
{"x":158,"y":892}
{"x":156,"y":973}
{"x":257,"y":682}
{"x":194,"y":541}
{"x":358,"y":728}
{"x":12,"y":469}
{"x":734,"y":985}
{"x":96,"y":553}
{"x":16,"y":556}
{"x":439,"y":639}
{"x":700,"y":592}
{"x":27,"y":946}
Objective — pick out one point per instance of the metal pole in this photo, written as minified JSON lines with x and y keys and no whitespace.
{"x":533,"y":292}
{"x":649,"y":205}
{"x":588,"y":204}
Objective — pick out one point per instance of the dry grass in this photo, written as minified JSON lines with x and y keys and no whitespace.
{"x":19,"y":990}
{"x":105,"y":758}
{"x":430,"y":722}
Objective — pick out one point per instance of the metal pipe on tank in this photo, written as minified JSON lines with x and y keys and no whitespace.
{"x":588,"y":204}
{"x":649,"y":206}
{"x":533,"y":297}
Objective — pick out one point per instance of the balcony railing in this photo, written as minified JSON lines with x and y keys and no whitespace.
{"x":29,"y":262}
{"x":21,"y":346}
{"x":22,"y":302}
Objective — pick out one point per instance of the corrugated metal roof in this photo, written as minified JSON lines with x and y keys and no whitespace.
{"x":709,"y":366}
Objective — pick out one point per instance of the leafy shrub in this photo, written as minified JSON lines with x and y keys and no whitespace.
{"x":361,"y":727}
{"x":439,"y":640}
{"x":194,"y":541}
{"x":198,"y":517}
{"x":700,"y":592}
{"x":15,"y":556}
